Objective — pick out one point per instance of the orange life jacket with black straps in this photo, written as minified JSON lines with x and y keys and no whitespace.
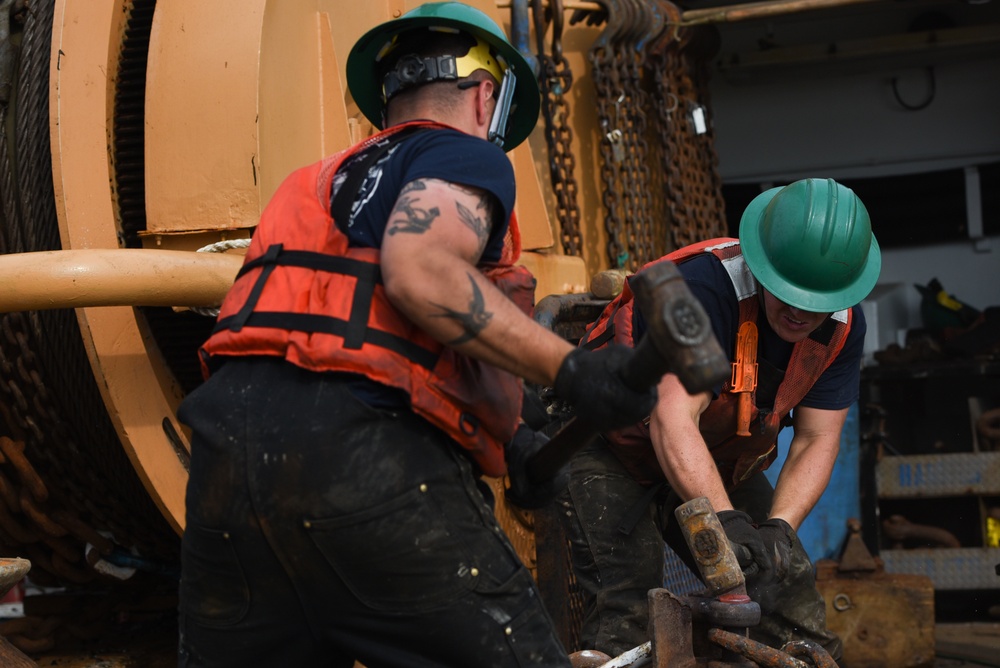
{"x":737,"y":457}
{"x":304,"y":294}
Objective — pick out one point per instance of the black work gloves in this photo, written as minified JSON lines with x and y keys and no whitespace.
{"x":778,"y":535}
{"x":748,"y":543}
{"x":522,"y":492}
{"x":593,"y":382}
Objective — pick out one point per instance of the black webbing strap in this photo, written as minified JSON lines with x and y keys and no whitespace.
{"x":636,"y":511}
{"x":268,"y":260}
{"x":367,"y":273}
{"x":606,"y":335}
{"x":324,"y":324}
{"x":335,"y":264}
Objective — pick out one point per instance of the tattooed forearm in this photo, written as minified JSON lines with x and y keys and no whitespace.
{"x":472,"y":322}
{"x":407,"y":217}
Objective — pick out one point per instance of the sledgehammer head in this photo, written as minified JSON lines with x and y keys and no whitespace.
{"x":679,"y":337}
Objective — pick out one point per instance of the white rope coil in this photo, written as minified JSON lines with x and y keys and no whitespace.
{"x":218,"y":247}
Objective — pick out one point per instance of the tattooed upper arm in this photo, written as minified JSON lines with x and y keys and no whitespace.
{"x":417,"y":209}
{"x":408,"y":214}
{"x":476,"y":210}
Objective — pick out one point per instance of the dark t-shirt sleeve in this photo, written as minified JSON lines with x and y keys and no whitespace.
{"x":447,"y":155}
{"x":840,"y":384}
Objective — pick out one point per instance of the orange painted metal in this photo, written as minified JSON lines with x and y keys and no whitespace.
{"x":744,"y":379}
{"x":132,"y":377}
{"x":114,"y":277}
{"x":238,"y":93}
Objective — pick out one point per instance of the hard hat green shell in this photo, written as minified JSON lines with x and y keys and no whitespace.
{"x":810,"y":244}
{"x":366,"y":86}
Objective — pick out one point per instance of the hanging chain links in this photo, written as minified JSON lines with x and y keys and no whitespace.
{"x":643,"y":63}
{"x":555,"y":80}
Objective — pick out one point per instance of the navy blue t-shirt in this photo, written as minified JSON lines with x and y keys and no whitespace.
{"x":448,"y":155}
{"x":838,"y":387}
{"x":445,"y":154}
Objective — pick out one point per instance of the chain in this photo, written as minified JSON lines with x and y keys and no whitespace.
{"x":695,"y":205}
{"x":611,"y":149}
{"x":49,"y":460}
{"x":644,"y":222}
{"x":555,"y":81}
{"x":631,"y":60}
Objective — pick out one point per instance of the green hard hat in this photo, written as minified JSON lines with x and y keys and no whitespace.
{"x":363,"y":71}
{"x":810,"y":244}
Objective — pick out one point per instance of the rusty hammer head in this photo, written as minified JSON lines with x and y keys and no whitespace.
{"x":679,"y":337}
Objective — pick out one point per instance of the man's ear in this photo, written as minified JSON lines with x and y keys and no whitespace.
{"x":484,"y":108}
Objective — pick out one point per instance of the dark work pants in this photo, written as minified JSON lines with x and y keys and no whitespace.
{"x":617,"y":559}
{"x":321,"y":531}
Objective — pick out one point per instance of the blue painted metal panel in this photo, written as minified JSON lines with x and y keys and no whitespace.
{"x":824,"y":531}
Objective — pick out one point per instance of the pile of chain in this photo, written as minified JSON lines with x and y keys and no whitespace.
{"x":658,"y":166}
{"x":67,"y":488}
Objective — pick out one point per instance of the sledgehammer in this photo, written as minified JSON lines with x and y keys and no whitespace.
{"x":678,"y":340}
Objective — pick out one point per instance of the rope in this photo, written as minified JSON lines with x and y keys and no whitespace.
{"x":218,"y":247}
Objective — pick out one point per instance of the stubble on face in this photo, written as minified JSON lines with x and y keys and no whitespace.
{"x":790,"y":323}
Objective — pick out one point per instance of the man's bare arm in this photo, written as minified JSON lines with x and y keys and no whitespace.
{"x":433,"y":241}
{"x":680,"y":447}
{"x":809,"y":465}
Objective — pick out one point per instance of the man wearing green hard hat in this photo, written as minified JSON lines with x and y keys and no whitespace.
{"x":364,"y":373}
{"x":783,"y":302}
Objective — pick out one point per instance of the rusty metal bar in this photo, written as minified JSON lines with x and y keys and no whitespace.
{"x":761,"y":10}
{"x":670,"y":624}
{"x":757,"y":652}
{"x":728,"y":13}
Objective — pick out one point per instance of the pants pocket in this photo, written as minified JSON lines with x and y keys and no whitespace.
{"x":404,"y":555}
{"x":213,"y":588}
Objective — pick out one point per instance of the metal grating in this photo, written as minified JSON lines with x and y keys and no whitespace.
{"x":954,"y":474}
{"x":948,"y":568}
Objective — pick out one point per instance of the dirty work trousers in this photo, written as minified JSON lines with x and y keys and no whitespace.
{"x":617,"y":530}
{"x":321,"y":531}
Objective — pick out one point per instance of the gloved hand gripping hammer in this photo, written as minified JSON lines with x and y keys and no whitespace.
{"x":678,"y":340}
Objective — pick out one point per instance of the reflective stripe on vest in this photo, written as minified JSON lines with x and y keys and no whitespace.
{"x":737,"y":457}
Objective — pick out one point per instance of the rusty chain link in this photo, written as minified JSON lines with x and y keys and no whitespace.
{"x":555,"y":80}
{"x":631,"y":60}
{"x":605,"y":75}
{"x":642,"y":47}
{"x":693,"y":188}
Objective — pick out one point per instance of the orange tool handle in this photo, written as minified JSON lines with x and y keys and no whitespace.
{"x":743,"y":410}
{"x":744,"y":380}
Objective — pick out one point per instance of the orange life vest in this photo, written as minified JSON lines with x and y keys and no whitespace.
{"x":306,"y":295}
{"x":737,"y":457}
